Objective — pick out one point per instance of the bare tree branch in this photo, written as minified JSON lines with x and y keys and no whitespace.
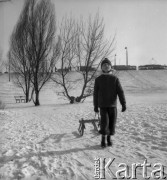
{"x":92,"y":49}
{"x":68,"y":32}
{"x":83,"y":46}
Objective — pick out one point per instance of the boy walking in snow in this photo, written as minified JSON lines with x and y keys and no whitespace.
{"x":106,"y":89}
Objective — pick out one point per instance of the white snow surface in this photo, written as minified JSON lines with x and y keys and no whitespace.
{"x":43,"y":142}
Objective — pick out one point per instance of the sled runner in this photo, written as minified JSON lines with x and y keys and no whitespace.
{"x":95,"y":122}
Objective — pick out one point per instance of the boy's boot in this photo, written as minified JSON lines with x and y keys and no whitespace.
{"x":103,"y":143}
{"x":109,"y":142}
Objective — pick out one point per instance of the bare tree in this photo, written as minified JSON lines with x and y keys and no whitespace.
{"x":19,"y":54}
{"x":87,"y":47}
{"x":36,"y":56}
{"x":92,"y":47}
{"x":19,"y":65}
{"x":67,"y":36}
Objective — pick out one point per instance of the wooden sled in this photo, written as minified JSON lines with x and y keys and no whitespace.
{"x":95,"y":122}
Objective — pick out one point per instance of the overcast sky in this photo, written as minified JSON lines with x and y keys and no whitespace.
{"x":140,"y":25}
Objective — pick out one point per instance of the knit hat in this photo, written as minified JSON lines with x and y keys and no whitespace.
{"x":106,"y":60}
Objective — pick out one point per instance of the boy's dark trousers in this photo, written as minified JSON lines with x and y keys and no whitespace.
{"x":108,"y":120}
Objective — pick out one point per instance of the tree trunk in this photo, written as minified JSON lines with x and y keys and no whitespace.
{"x":78,"y":99}
{"x":72,"y":99}
{"x":37,"y":98}
{"x":27,"y":97}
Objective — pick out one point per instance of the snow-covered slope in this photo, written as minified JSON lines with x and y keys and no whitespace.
{"x":43,"y":142}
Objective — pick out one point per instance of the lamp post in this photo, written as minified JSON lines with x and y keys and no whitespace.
{"x":126,"y":56}
{"x":115,"y":60}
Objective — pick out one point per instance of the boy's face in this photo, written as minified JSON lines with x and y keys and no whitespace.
{"x":106,"y":67}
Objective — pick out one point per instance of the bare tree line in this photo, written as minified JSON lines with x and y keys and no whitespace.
{"x":36,"y":45}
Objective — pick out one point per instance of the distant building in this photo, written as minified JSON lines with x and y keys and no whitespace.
{"x":83,"y":68}
{"x":152,"y":67}
{"x":124,"y":67}
{"x":77,"y":68}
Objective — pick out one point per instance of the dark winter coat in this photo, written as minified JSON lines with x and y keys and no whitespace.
{"x":106,"y":89}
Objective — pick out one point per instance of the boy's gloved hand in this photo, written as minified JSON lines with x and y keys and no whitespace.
{"x":96,"y":109}
{"x":123,"y":108}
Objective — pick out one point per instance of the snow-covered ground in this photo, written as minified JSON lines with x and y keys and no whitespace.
{"x":43,"y":142}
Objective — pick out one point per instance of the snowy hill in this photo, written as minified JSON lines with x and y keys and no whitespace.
{"x":132,"y":81}
{"x":43,"y":143}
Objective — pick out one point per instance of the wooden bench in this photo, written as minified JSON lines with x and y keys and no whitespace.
{"x":82,"y":122}
{"x":20,"y":99}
